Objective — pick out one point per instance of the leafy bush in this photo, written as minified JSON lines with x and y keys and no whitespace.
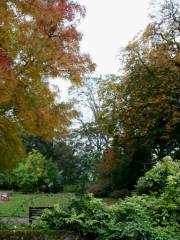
{"x":35,"y":173}
{"x":152,"y":216}
{"x":161,"y":175}
{"x":145,"y":217}
{"x":11,"y":225}
{"x":85,"y":215}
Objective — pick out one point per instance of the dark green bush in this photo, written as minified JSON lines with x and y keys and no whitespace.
{"x":146,"y":217}
{"x":85,"y":215}
{"x":152,"y":216}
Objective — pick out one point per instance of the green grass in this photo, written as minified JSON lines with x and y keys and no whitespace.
{"x":19,"y":203}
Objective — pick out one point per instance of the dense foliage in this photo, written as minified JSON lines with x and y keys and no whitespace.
{"x":35,"y":173}
{"x":61,"y":153}
{"x":141,"y":110}
{"x":150,"y":216}
{"x":5,"y":180}
{"x":165,"y":175}
{"x":38,"y":41}
{"x":124,"y":126}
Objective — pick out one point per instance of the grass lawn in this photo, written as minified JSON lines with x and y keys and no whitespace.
{"x":18,"y":204}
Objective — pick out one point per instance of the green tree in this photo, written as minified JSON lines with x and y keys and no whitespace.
{"x":35,"y":173}
{"x":66,"y":161}
{"x":60,"y":151}
{"x":37,"y":143}
{"x":87,"y":100}
{"x":87,"y":135}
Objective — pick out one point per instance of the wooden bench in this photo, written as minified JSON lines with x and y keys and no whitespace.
{"x":35,"y":212}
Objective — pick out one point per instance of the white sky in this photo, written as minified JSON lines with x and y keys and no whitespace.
{"x":108,"y":26}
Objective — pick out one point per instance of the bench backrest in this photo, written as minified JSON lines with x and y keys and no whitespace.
{"x":35,"y":212}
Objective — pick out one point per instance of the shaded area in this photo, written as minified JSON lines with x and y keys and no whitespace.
{"x":39,"y":235}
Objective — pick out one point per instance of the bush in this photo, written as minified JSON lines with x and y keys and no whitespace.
{"x":152,"y":216}
{"x":6,"y":225}
{"x":145,"y":217}
{"x":35,"y":173}
{"x":85,"y":215}
{"x":159,"y":177}
{"x":135,"y":218}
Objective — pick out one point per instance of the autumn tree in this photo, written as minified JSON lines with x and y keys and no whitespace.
{"x":151,"y":83}
{"x":146,"y":115}
{"x":38,"y":41}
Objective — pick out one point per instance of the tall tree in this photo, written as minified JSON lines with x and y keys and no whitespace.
{"x":38,"y":40}
{"x":88,"y":100}
{"x":88,"y":137}
{"x":146,"y":115}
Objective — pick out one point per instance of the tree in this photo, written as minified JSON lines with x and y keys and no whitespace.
{"x":152,"y":82}
{"x":67,"y":162}
{"x":88,"y":137}
{"x":60,"y":152}
{"x":38,"y":41}
{"x":146,"y":120}
{"x":87,"y":100}
{"x":35,"y":173}
{"x":37,"y":143}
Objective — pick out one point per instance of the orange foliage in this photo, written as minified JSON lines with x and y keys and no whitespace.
{"x":39,"y":41}
{"x":108,"y":162}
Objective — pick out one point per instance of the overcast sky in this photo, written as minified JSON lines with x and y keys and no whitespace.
{"x":108,"y":26}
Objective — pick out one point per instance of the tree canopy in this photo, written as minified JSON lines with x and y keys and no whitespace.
{"x":144,"y":118}
{"x":38,"y":41}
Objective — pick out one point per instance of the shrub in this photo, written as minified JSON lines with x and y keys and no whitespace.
{"x":158,"y":178}
{"x":6,"y":225}
{"x":35,"y":173}
{"x":85,"y":215}
{"x":152,"y":216}
{"x":145,"y":218}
